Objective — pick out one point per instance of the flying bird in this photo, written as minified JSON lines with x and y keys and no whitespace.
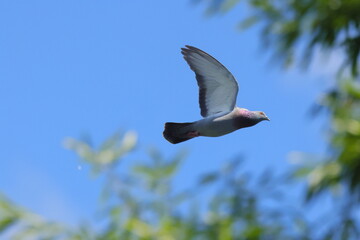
{"x":217,"y":99}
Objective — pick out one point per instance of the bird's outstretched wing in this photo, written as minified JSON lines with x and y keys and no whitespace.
{"x":217,"y":86}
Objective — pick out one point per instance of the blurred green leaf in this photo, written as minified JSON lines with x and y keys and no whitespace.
{"x":208,"y":178}
{"x":325,"y":25}
{"x":248,"y":22}
{"x":7,"y":222}
{"x":110,"y":152}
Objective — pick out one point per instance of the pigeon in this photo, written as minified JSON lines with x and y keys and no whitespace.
{"x":218,"y":90}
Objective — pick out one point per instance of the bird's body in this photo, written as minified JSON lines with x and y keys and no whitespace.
{"x":217,"y":97}
{"x":219,"y":125}
{"x":216,"y":126}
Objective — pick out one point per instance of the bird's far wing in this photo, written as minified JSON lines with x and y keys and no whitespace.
{"x":217,"y":86}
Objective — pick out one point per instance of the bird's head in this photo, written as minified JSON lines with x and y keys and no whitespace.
{"x":248,"y":118}
{"x":260,"y":116}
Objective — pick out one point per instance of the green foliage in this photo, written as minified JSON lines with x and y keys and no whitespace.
{"x":142,"y":204}
{"x":341,"y":169}
{"x":295,"y":30}
{"x":18,"y":224}
{"x":323,"y":24}
{"x":109,"y":152}
{"x":344,"y":106}
{"x":139,"y":202}
{"x":339,"y":172}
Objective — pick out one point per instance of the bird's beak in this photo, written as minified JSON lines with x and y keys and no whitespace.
{"x":267,"y":119}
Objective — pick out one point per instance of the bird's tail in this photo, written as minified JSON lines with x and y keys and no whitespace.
{"x":177,"y":132}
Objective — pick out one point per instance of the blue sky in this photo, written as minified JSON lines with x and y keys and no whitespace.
{"x":72,"y":67}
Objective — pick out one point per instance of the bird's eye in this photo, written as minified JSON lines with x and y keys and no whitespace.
{"x":261,"y":113}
